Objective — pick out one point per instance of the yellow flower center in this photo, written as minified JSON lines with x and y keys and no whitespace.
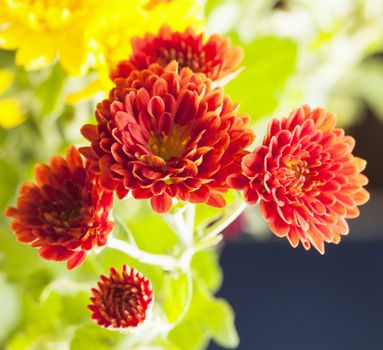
{"x":293,"y":176}
{"x":170,"y":145}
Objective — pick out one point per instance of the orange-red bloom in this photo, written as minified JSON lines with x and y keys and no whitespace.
{"x":121,"y":300}
{"x":65,"y":213}
{"x":164,"y":135}
{"x":305,"y":177}
{"x":214,"y":57}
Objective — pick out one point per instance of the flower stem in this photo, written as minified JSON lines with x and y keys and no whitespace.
{"x":166,"y":262}
{"x":182,"y":223}
{"x":226,"y":220}
{"x":126,"y":229}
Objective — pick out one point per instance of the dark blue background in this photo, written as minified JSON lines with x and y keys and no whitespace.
{"x":290,"y":299}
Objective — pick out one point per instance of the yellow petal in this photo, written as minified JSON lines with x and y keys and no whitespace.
{"x":100,"y":85}
{"x":73,"y":52}
{"x":6,"y":79}
{"x":179,"y":14}
{"x":10,"y":114}
{"x":11,"y":38}
{"x":37,"y":52}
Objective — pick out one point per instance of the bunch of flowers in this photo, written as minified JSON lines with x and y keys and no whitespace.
{"x":168,"y":133}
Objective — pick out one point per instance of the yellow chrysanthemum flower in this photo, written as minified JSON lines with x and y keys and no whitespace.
{"x":112,"y":36}
{"x":84,"y":33}
{"x":11,"y":114}
{"x":40,"y":30}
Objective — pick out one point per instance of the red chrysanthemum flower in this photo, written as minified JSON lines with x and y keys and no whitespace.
{"x":65,"y":213}
{"x":214,"y":57}
{"x":164,"y":135}
{"x":121,"y":301}
{"x":305,"y":177}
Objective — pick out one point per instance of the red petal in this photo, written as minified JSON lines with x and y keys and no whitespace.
{"x":162,"y":203}
{"x":88,"y":153}
{"x":73,"y":158}
{"x":56,"y":253}
{"x":217,"y":200}
{"x":238,"y":181}
{"x":156,"y":107}
{"x":201,"y":195}
{"x":10,"y":212}
{"x":316,"y":240}
{"x":90,"y":132}
{"x":42,"y":173}
{"x":251,"y":195}
{"x":76,"y":260}
{"x":279,"y":227}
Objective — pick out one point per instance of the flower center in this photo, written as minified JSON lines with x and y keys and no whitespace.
{"x":170,"y":145}
{"x":63,"y":213}
{"x":124,"y":300}
{"x":294,"y":175}
{"x":185,"y":58}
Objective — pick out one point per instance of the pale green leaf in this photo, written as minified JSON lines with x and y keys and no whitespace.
{"x":206,"y":265}
{"x":9,"y":178}
{"x":75,"y":310}
{"x":268,"y":63}
{"x":7,"y":58}
{"x":189,"y":335}
{"x":9,"y":306}
{"x":94,"y":337}
{"x":36,"y":281}
{"x":150,"y":231}
{"x":50,"y":92}
{"x":222,"y":325}
{"x":207,"y":317}
{"x":175,"y":295}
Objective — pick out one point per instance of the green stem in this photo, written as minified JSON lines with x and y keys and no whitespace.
{"x":166,"y":262}
{"x":230,"y":216}
{"x":182,"y":223}
{"x":126,"y":229}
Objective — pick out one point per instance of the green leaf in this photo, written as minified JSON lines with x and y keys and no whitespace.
{"x":7,"y":58}
{"x":268,"y":63}
{"x":43,"y":317}
{"x":9,"y":178}
{"x":9,"y":306}
{"x":189,"y":335}
{"x":75,"y":310}
{"x":37,"y":281}
{"x":149,"y":230}
{"x":222,"y":324}
{"x":206,"y":265}
{"x":17,"y":268}
{"x":176,"y":295}
{"x":215,"y":316}
{"x":211,"y":5}
{"x":94,"y":337}
{"x":50,"y":91}
{"x":207,"y":317}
